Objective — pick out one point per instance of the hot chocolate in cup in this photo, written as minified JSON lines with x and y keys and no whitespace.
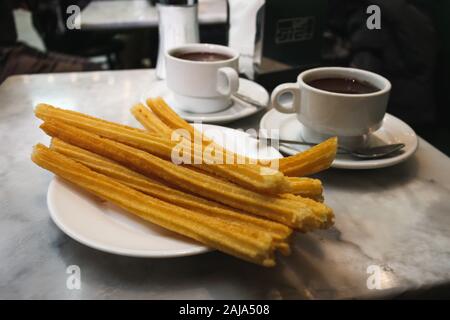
{"x":202,"y":77}
{"x":332,"y":101}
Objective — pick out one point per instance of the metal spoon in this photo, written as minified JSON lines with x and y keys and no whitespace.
{"x":376,"y":152}
{"x":362,"y":153}
{"x":248,"y":100}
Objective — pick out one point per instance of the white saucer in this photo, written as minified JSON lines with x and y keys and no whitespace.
{"x":393,"y":130}
{"x":103,"y":226}
{"x":237,"y":110}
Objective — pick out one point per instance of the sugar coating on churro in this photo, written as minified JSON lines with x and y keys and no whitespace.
{"x":231,"y":207}
{"x":213,"y":232}
{"x":165,"y":192}
{"x":313,"y":160}
{"x":247,"y":175}
{"x":287,"y":211}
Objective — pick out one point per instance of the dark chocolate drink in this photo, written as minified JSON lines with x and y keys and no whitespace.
{"x":343,"y":85}
{"x":202,"y":56}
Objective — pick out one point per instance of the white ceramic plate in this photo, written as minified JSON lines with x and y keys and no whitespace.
{"x":103,"y":226}
{"x":393,"y":130}
{"x":237,"y":110}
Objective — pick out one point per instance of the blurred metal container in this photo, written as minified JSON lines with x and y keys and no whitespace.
{"x":178,"y":25}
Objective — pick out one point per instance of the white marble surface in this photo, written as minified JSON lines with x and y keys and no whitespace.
{"x":139,"y":13}
{"x":397,"y":218}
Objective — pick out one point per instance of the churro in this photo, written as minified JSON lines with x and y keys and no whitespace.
{"x":168,"y":116}
{"x":46,"y":111}
{"x":252,"y":176}
{"x":313,"y":160}
{"x":295,"y":213}
{"x":150,"y":121}
{"x":316,"y":206}
{"x":210,"y":231}
{"x":306,"y":187}
{"x":164,"y":192}
{"x":111,"y":130}
{"x":165,"y":113}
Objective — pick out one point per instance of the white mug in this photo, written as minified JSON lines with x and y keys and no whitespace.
{"x":202,"y":86}
{"x":323,"y":114}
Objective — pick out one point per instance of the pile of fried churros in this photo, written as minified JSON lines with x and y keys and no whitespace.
{"x":241,"y":208}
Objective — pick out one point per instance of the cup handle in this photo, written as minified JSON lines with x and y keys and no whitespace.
{"x":289,"y":88}
{"x":227,"y":81}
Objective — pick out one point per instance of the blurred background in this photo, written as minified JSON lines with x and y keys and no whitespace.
{"x":411,"y":49}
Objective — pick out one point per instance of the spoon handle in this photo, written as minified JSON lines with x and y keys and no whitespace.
{"x":304,"y":143}
{"x":248,"y":100}
{"x":367,"y":153}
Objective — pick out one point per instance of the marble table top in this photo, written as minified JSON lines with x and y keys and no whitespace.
{"x":392,"y":231}
{"x":125,"y":14}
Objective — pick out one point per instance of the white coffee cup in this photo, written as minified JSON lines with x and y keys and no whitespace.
{"x":202,"y":86}
{"x":323,"y":114}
